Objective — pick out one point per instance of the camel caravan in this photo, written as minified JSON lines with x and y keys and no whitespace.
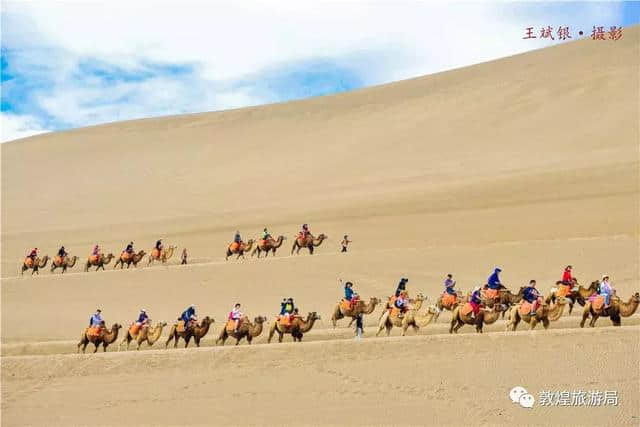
{"x":485,"y":305}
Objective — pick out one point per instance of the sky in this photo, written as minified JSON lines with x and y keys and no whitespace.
{"x":68,"y":64}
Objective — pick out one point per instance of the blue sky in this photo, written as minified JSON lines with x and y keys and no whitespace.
{"x":72,"y":64}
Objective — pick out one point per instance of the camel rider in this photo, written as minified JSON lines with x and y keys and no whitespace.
{"x":606,"y":290}
{"x":188,"y":315}
{"x":494,"y":280}
{"x":476,"y":300}
{"x":159,"y":245}
{"x":531,"y":295}
{"x":401,"y":303}
{"x":96,"y":251}
{"x":265,"y":235}
{"x":349,"y":294}
{"x":143,"y":318}
{"x":33,"y":254}
{"x":449,"y":285}
{"x":129,"y":249}
{"x":305,"y":230}
{"x":402,"y":286}
{"x":62,"y":252}
{"x":283,"y":306}
{"x":567,"y":278}
{"x":235,"y":315}
{"x":96,"y":319}
{"x":289,"y":309}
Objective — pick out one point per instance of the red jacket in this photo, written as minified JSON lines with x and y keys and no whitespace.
{"x":566,"y":276}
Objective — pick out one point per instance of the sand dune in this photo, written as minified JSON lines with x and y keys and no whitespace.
{"x":529,"y":162}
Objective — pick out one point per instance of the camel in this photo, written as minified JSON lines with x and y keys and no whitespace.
{"x":99,"y":262}
{"x":309,"y":242}
{"x":35,"y":264}
{"x":104,"y":337}
{"x":129,"y":259}
{"x":197,"y":331}
{"x":161,"y":255}
{"x":144,"y":333}
{"x":545,"y":313}
{"x":389,"y":317}
{"x":267,"y":246}
{"x":579,"y":295}
{"x":246,"y":330}
{"x":505,"y":298}
{"x":484,"y":317}
{"x":239,"y":248}
{"x":296,"y":328}
{"x":418,"y":320}
{"x":361,"y":307}
{"x":616,"y":309}
{"x":63,"y":263}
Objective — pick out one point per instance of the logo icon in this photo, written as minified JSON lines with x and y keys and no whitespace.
{"x":520,"y":395}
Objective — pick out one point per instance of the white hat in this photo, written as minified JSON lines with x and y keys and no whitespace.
{"x":143,"y":310}
{"x":605,"y":275}
{"x":192,"y":306}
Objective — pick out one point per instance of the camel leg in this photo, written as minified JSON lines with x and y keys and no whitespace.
{"x":615,"y":319}
{"x":459,"y":325}
{"x":104,"y":347}
{"x":545,"y":323}
{"x":594,"y":317}
{"x":272,"y":330}
{"x":97,"y":344}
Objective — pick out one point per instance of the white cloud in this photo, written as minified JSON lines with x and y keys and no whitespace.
{"x":234,"y":41}
{"x":18,"y":126}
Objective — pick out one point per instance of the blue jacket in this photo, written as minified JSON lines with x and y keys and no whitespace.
{"x":142,"y":317}
{"x":476,"y":297}
{"x":186,"y":315}
{"x":530,"y":294}
{"x":96,"y":319}
{"x":494,"y":281}
{"x":348,"y":293}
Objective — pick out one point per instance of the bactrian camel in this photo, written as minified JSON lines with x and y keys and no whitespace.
{"x":161,"y":255}
{"x":129,"y":259}
{"x":246,"y":330}
{"x":197,"y":332}
{"x":308,"y":242}
{"x":239,"y":248}
{"x":98,"y":262}
{"x":144,"y":333}
{"x":267,"y":246}
{"x":64,"y":263}
{"x":574,"y":293}
{"x":545,"y":313}
{"x":361,"y":307}
{"x":105,"y":337}
{"x":34,"y":264}
{"x":615,"y":311}
{"x":485,"y":316}
{"x":390,"y":317}
{"x":297,"y":328}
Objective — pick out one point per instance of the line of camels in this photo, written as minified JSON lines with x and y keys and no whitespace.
{"x":495,"y":305}
{"x":265,"y":246}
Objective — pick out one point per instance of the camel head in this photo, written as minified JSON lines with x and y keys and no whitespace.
{"x":260,"y":319}
{"x":420,"y":297}
{"x":313,"y":316}
{"x":432,"y":309}
{"x":635,"y":298}
{"x":374,"y":300}
{"x":116,"y":326}
{"x":322,"y":236}
{"x":161,"y":323}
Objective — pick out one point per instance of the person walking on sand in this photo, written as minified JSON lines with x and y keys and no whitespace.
{"x":183,"y":257}
{"x":345,"y":242}
{"x":359,"y":327}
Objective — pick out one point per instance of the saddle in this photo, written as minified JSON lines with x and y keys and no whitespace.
{"x":234,"y":246}
{"x":181,"y":327}
{"x":28,"y":262}
{"x":58,"y":260}
{"x":285,"y":321}
{"x":135,"y":328}
{"x":491,"y":293}
{"x":563,"y":290}
{"x":94,"y":258}
{"x":525,"y":308}
{"x":231,"y":324}
{"x":125,"y":256}
{"x":448,"y":300}
{"x":345,"y":304}
{"x":597,"y":302}
{"x":155,"y":253}
{"x":466,"y":309}
{"x":94,"y":331}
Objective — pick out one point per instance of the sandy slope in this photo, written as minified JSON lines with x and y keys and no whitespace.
{"x":530,"y":162}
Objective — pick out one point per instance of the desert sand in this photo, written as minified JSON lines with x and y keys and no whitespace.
{"x":529,"y":163}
